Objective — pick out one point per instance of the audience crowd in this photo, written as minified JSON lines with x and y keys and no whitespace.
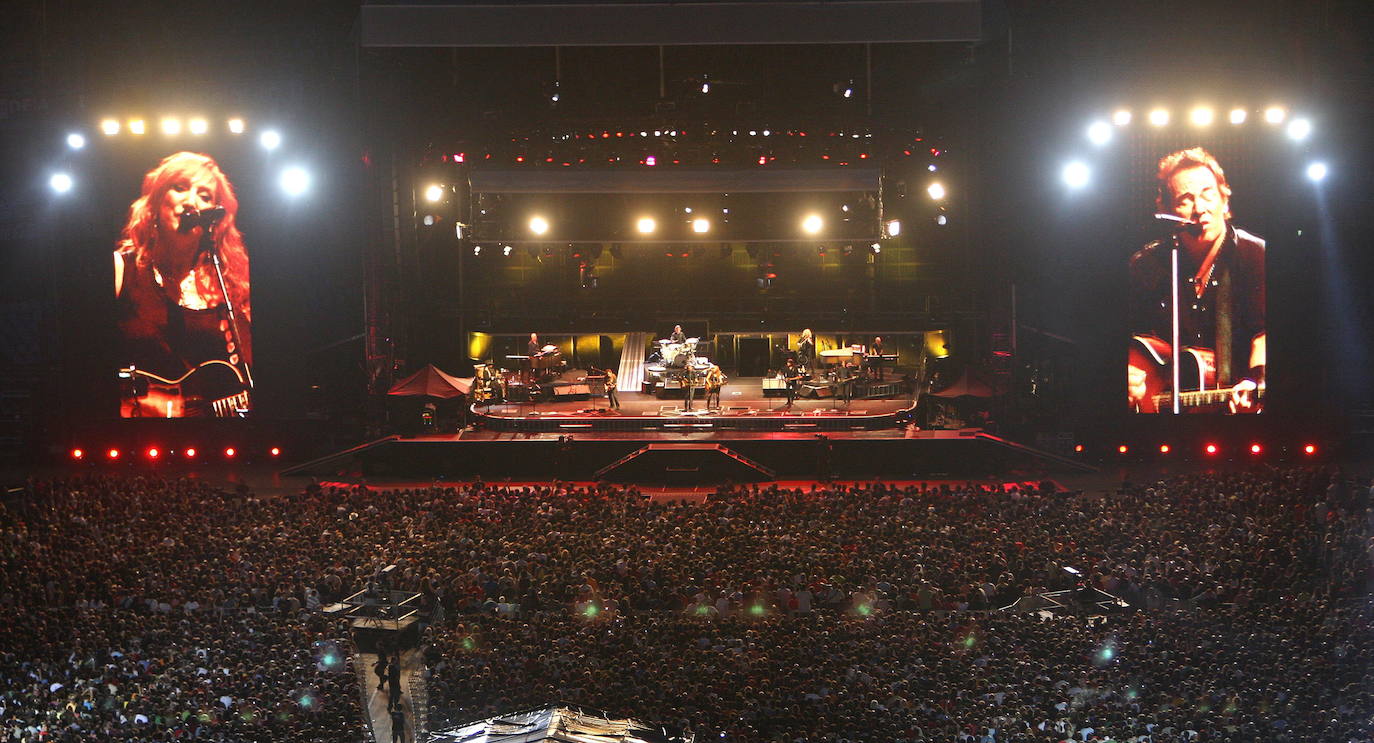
{"x":150,"y":609}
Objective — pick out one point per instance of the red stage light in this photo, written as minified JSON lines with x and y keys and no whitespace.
{"x":276,"y":451}
{"x":190,"y":452}
{"x":230,"y":452}
{"x":1123,"y":448}
{"x":112,"y":454}
{"x":1163,"y":448}
{"x":1309,"y":449}
{"x":78,"y":454}
{"x":458,"y":157}
{"x":153,"y":452}
{"x":1078,"y":448}
{"x":1211,"y":448}
{"x":1256,"y":448}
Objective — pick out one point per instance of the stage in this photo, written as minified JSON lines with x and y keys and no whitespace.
{"x":745,"y":405}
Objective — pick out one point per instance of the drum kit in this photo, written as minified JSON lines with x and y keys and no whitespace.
{"x":674,"y":361}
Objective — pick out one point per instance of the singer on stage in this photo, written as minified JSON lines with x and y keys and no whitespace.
{"x":182,"y":352}
{"x":1220,"y":297}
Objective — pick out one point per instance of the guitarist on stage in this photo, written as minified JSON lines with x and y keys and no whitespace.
{"x":1220,"y":297}
{"x":185,"y":352}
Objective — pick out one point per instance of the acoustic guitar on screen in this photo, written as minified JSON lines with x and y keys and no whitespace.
{"x":1149,"y":387}
{"x":215,"y":388}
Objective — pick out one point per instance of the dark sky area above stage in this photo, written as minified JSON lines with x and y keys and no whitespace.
{"x":1008,"y":106}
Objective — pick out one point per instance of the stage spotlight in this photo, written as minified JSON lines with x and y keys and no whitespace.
{"x":701,"y":225}
{"x":1211,"y":448}
{"x":1202,"y":116}
{"x":812,"y":224}
{"x":1079,"y":447}
{"x":171,"y":126}
{"x":651,"y":161}
{"x":1316,"y":172}
{"x":112,"y":454}
{"x":198,"y":126}
{"x":506,"y":250}
{"x":295,"y":181}
{"x":1299,"y":129}
{"x":1163,"y":448}
{"x":190,"y":452}
{"x":936,"y":190}
{"x":137,"y":126}
{"x":1256,"y":448}
{"x":1123,"y":448}
{"x":1274,"y":115}
{"x":894,"y":227}
{"x":434,"y":193}
{"x":875,"y":248}
{"x":428,"y":220}
{"x":110,"y":127}
{"x":275,"y":451}
{"x":1099,"y":133}
{"x":646,"y":225}
{"x":76,"y":141}
{"x":1159,"y":117}
{"x":539,"y":225}
{"x":230,"y":452}
{"x":1122,"y":117}
{"x":1238,"y":115}
{"x":61,"y":182}
{"x":270,"y":139}
{"x":236,"y":126}
{"x":154,"y":453}
{"x":78,"y":454}
{"x":1309,"y":449}
{"x":1076,"y":174}
{"x":477,"y":250}
{"x":942,"y":220}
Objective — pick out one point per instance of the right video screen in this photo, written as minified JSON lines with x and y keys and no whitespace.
{"x":1196,"y":305}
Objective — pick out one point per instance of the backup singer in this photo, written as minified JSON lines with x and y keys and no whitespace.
{"x":714,"y":380}
{"x":1220,"y":290}
{"x":185,"y":355}
{"x":806,"y":350}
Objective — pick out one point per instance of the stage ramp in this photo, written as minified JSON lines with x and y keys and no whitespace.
{"x":685,"y":464}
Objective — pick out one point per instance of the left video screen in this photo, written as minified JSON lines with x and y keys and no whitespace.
{"x":183,"y":310}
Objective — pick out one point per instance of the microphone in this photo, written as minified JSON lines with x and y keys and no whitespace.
{"x":1178,"y":224}
{"x":192,"y":218}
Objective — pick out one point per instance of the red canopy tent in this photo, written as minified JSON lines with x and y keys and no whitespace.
{"x":969,"y":385}
{"x":431,"y":382}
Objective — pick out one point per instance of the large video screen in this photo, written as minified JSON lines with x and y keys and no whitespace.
{"x":183,"y":311}
{"x":1196,"y":303}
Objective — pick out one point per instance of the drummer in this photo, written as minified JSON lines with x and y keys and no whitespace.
{"x":678,"y":336}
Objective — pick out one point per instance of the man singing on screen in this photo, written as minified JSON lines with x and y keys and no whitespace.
{"x":1220,"y":297}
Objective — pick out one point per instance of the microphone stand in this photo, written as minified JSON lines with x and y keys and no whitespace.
{"x":207,"y":244}
{"x":1173,"y":296}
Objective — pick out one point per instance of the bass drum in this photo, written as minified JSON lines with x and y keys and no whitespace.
{"x":676,"y":354}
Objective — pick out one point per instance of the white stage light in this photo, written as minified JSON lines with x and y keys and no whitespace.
{"x":137,"y":126}
{"x":812,"y":224}
{"x":1099,"y":133}
{"x":1202,"y":116}
{"x":701,"y":225}
{"x":1274,"y":115}
{"x":110,"y":127}
{"x":539,"y":225}
{"x":434,"y":193}
{"x":236,"y":126}
{"x":1076,"y":174}
{"x":1238,"y":115}
{"x":76,"y":141}
{"x":1316,"y":172}
{"x":646,"y":225}
{"x":1299,"y":129}
{"x":61,"y":182}
{"x":171,"y":126}
{"x":270,"y":139}
{"x":295,"y":181}
{"x":198,"y":126}
{"x":936,"y":190}
{"x":1159,"y":117}
{"x":1122,"y":117}
{"x":894,"y":227}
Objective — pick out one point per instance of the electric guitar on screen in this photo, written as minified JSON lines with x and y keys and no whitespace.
{"x":1198,"y":386}
{"x":214,"y":388}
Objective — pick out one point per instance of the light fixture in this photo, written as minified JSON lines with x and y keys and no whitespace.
{"x":701,"y":225}
{"x":1159,"y":117}
{"x":76,"y":140}
{"x":646,"y":225}
{"x":110,"y":127}
{"x":171,"y":126}
{"x":893,"y":227}
{"x":1076,"y":174}
{"x":539,"y":225}
{"x":1274,"y":115}
{"x":270,"y":139}
{"x":812,"y":224}
{"x":61,"y":182}
{"x":1238,"y":115}
{"x":1316,"y":172}
{"x":1299,"y":129}
{"x":295,"y":181}
{"x":198,"y":126}
{"x":936,"y":190}
{"x":1099,"y":133}
{"x":1122,"y":117}
{"x":236,"y":126}
{"x":434,"y":193}
{"x":137,"y":126}
{"x":1202,"y":116}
